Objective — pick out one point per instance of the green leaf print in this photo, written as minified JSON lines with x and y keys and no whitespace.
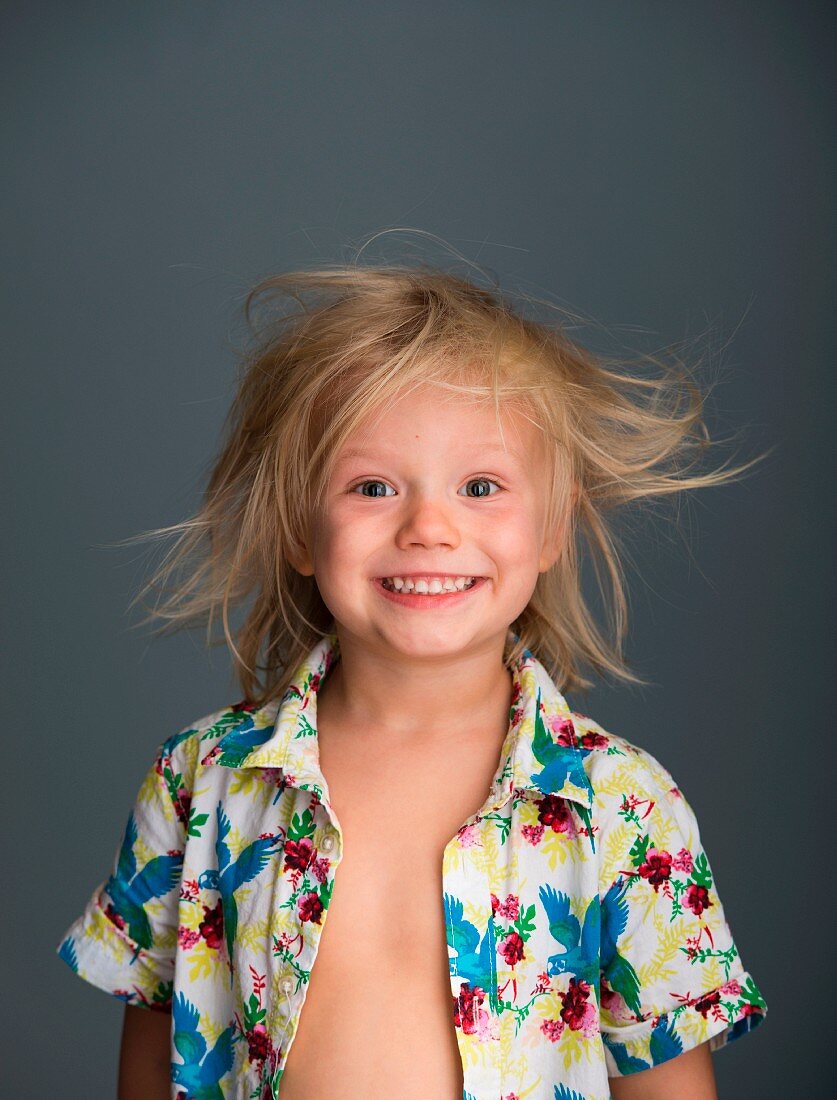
{"x":305,"y":728}
{"x":231,"y":718}
{"x":173,"y":782}
{"x":253,"y":1013}
{"x":640,"y":847}
{"x":701,"y":875}
{"x":301,"y":826}
{"x":751,"y":995}
{"x":195,"y":822}
{"x":325,"y":893}
{"x":525,"y":923}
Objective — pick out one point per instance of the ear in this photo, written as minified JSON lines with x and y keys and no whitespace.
{"x":305,"y":569}
{"x":300,"y":558}
{"x":551,"y":550}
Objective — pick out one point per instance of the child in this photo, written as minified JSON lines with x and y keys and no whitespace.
{"x":402,"y":864}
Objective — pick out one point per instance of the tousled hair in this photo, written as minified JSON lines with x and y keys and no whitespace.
{"x":353,"y":338}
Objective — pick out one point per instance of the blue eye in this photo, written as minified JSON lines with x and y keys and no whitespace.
{"x":362,"y":483}
{"x":382,"y":484}
{"x":485,"y":481}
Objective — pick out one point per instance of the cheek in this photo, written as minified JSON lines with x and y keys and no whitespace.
{"x":342,"y":544}
{"x":515,"y":539}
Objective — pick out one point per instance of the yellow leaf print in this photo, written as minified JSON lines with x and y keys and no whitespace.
{"x":203,"y":961}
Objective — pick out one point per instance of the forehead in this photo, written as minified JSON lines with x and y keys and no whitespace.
{"x":454,"y":426}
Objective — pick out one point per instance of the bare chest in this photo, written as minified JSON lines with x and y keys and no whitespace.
{"x":378,"y":1013}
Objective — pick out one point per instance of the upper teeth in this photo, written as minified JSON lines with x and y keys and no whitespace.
{"x":428,"y":584}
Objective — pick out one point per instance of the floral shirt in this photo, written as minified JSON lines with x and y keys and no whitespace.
{"x":586,"y":938}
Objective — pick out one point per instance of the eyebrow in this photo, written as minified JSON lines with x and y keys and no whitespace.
{"x":375,"y":453}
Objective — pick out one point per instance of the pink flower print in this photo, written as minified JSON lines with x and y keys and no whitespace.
{"x":657,"y":867}
{"x":310,"y":908}
{"x":614,"y":1004}
{"x":706,"y":1004}
{"x":697,"y":898}
{"x":319,"y":868}
{"x":731,"y":989}
{"x":187,"y":938}
{"x":552,"y":1029}
{"x":212,"y":926}
{"x":469,"y":836}
{"x":298,"y":853}
{"x":579,"y":1013}
{"x":183,"y":804}
{"x":466,"y":1008}
{"x":510,"y":909}
{"x":511,"y":948}
{"x":553,"y":812}
{"x":258,"y":1043}
{"x":593,"y":740}
{"x":563,"y":729}
{"x":683,"y":861}
{"x":533,"y":833}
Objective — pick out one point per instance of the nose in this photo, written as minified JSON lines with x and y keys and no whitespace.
{"x":428,"y":522}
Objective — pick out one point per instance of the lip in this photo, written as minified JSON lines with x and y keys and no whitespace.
{"x":435,"y":602}
{"x":429,"y":574}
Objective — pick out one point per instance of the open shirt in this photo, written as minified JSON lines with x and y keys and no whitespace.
{"x":586,"y":938}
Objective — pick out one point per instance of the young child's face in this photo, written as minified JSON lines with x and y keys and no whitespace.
{"x":428,"y":487}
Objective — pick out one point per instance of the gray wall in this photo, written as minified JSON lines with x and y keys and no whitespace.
{"x":662,"y":168}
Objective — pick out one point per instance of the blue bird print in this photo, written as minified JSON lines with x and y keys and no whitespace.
{"x":620,"y":974}
{"x":475,"y":959}
{"x":201,"y":1070}
{"x":233,"y":874}
{"x":560,"y":764}
{"x":130,"y":890}
{"x":581,"y":942}
{"x":241,"y":740}
{"x":663,"y":1043}
{"x":67,"y":952}
{"x":168,"y":747}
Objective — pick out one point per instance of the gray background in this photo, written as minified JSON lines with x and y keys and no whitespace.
{"x":663,"y":168}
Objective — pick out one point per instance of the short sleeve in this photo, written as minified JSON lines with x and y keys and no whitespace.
{"x":671,"y":974}
{"x":125,"y":940}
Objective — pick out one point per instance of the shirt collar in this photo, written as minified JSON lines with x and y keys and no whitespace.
{"x":541,"y":751}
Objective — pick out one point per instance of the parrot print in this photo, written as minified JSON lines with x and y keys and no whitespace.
{"x":585,"y":934}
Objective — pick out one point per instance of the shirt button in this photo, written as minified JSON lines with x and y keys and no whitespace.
{"x":286,"y":985}
{"x":327,"y":843}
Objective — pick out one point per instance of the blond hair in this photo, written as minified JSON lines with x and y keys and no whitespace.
{"x":356,"y":337}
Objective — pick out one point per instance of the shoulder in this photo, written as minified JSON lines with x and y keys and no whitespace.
{"x":182,"y":751}
{"x":625,"y":776}
{"x":638,"y":804}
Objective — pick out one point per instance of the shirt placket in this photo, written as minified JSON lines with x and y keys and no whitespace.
{"x":328,"y":842}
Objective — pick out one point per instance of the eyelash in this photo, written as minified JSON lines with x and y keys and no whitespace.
{"x":380,"y":481}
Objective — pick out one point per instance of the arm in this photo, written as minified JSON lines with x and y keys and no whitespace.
{"x":689,"y":1076}
{"x":144,"y":1056}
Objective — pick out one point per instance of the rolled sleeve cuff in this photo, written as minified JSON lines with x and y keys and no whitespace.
{"x":102,"y":953}
{"x":719,"y":1017}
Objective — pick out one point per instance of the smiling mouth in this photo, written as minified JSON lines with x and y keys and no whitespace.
{"x":407,"y":588}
